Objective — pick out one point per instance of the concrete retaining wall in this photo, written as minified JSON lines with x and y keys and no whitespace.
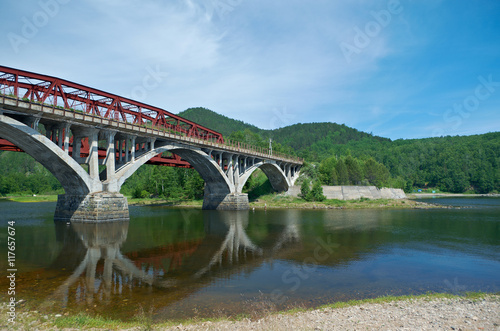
{"x":355,"y":192}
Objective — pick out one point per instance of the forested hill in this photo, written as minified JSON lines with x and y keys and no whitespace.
{"x":300,"y":137}
{"x":215,"y":121}
{"x":344,"y":155}
{"x":303,"y":136}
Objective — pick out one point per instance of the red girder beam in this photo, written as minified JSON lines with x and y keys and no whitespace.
{"x":98,"y":102}
{"x":6,"y":145}
{"x":171,"y":161}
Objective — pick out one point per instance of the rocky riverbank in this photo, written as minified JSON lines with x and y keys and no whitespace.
{"x":413,"y":314}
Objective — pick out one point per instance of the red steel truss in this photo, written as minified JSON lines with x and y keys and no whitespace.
{"x":58,"y":92}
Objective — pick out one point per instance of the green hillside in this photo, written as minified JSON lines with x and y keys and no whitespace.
{"x":217,"y":122}
{"x":312,"y":141}
{"x":347,"y":156}
{"x":334,"y":153}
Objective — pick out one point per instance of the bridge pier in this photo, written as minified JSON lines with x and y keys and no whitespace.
{"x":233,"y":201}
{"x":93,"y":207}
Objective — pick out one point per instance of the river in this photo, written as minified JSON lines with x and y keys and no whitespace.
{"x":172,"y":263}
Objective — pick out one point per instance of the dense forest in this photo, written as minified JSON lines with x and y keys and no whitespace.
{"x":334,"y":153}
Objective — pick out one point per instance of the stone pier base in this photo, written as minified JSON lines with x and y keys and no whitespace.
{"x":226,"y":202}
{"x":95,"y":207}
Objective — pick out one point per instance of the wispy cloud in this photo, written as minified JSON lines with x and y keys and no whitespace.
{"x":246,"y":58}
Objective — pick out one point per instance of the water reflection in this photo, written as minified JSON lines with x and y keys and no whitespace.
{"x":236,"y":244}
{"x":98,"y":241}
{"x":101,"y":270}
{"x":180,"y":263}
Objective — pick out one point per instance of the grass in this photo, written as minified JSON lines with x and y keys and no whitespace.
{"x":31,"y":198}
{"x":27,"y":320}
{"x":285,"y":201}
{"x":164,"y":202}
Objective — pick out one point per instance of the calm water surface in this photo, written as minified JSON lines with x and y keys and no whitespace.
{"x":177,"y":263}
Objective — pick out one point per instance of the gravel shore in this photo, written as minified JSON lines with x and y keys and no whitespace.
{"x":421,"y":313}
{"x":414,"y":314}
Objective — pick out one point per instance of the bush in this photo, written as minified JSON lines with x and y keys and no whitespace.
{"x":140,"y":194}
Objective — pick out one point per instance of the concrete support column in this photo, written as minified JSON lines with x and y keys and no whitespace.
{"x":245,"y":165}
{"x":152,"y":143}
{"x":60,"y":136}
{"x":127,"y":147}
{"x":132,"y":149}
{"x":77,"y":144}
{"x":110,"y":185}
{"x":230,"y":169}
{"x":120,"y":151}
{"x":288,"y":172}
{"x":236,"y":172}
{"x":48,"y":131}
{"x":32,"y":122}
{"x":93,"y":159}
{"x":64,"y":137}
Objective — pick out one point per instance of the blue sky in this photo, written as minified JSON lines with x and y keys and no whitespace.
{"x":398,"y":69}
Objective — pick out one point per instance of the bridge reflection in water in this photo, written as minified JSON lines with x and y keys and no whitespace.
{"x":102,"y":274}
{"x":177,"y":263}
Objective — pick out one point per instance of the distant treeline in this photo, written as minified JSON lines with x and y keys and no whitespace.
{"x":334,"y":153}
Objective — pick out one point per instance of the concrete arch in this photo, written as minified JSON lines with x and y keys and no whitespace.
{"x":276,"y":176}
{"x":208,"y":169}
{"x":73,"y":178}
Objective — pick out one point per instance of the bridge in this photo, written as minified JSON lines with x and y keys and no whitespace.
{"x":92,"y":141}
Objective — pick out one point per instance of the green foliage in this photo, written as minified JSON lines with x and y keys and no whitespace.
{"x":21,"y":174}
{"x":305,"y":190}
{"x":316,"y":193}
{"x":342,"y":173}
{"x":257,"y":185}
{"x":164,"y":182}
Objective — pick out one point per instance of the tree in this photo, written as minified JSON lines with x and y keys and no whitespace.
{"x":305,"y":189}
{"x":342,"y":174}
{"x":316,"y":193}
{"x":354,"y":171}
{"x":326,"y":169}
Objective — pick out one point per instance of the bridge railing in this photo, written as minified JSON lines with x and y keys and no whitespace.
{"x":155,"y":130}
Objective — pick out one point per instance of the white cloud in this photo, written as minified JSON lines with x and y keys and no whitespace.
{"x":252,"y":57}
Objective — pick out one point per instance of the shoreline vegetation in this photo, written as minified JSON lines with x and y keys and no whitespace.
{"x":426,"y":311}
{"x":283,"y":201}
